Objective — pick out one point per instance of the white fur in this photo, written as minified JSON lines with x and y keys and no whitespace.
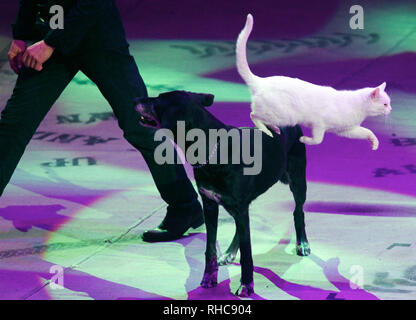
{"x":283,"y":101}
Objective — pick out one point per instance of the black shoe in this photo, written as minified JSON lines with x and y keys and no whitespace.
{"x":176,"y":222}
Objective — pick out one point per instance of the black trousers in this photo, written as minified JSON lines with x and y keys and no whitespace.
{"x":118,"y":78}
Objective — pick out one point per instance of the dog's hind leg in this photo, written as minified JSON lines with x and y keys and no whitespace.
{"x":296,"y":169}
{"x":246,"y":259}
{"x":210,"y":277}
{"x":229,"y":256}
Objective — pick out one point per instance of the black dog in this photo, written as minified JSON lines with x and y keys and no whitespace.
{"x":283,"y":158}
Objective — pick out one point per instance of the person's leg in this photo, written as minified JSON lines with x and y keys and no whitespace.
{"x":33,"y":96}
{"x":119,"y":80}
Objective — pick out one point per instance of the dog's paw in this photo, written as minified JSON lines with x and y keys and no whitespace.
{"x":303,"y":249}
{"x":245,"y":290}
{"x":226,"y":259}
{"x":210,"y":280}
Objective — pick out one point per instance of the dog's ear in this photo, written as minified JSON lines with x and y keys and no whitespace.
{"x":208,"y":99}
{"x":204,"y":99}
{"x":137,"y":100}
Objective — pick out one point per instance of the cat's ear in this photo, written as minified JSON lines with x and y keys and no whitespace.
{"x":375,"y":94}
{"x":382,"y":86}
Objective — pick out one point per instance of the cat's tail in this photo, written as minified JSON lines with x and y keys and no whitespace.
{"x":242,"y":64}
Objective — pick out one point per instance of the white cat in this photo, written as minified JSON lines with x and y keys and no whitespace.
{"x":283,"y":101}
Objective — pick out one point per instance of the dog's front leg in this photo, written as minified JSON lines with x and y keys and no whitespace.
{"x":210,"y":278}
{"x":246,"y":259}
{"x":229,"y":256}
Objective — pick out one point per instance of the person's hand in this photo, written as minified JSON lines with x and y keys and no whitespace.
{"x":36,"y":55}
{"x":15,"y":55}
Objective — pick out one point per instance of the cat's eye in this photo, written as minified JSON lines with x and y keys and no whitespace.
{"x":385,"y":104}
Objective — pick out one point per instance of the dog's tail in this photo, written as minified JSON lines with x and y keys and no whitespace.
{"x":242,"y":64}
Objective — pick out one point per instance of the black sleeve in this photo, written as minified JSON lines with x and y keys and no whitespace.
{"x":82,"y":16}
{"x":25,"y":21}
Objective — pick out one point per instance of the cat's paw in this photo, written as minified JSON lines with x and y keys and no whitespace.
{"x":305,"y":140}
{"x":267,"y":132}
{"x":275,"y":129}
{"x":374,"y":143}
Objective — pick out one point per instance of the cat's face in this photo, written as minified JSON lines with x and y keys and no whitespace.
{"x":379,"y":101}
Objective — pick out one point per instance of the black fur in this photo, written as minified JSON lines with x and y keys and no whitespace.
{"x":283,"y":158}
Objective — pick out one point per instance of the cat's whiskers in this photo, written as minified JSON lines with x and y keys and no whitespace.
{"x":388,"y":123}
